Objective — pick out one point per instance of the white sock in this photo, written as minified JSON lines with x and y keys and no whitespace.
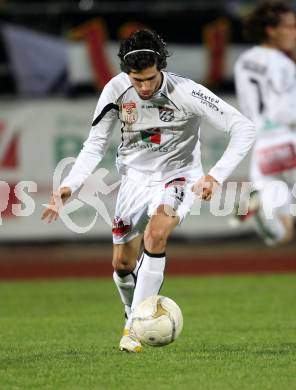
{"x":126,"y":286}
{"x":150,"y":277}
{"x":271,"y":230}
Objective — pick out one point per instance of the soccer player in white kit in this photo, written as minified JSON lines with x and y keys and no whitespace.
{"x":158,"y":160}
{"x":265,"y":79}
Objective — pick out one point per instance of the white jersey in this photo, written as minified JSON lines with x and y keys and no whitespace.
{"x":265,"y":80}
{"x":160,"y":136}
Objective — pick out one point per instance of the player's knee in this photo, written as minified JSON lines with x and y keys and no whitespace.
{"x":154,"y":237}
{"x":121,"y":265}
{"x":288,"y":236}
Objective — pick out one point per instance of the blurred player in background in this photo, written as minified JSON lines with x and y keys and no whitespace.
{"x":159,"y":162}
{"x":265,"y":79}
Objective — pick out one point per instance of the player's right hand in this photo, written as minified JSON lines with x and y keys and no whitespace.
{"x":57,"y":200}
{"x":205,"y":187}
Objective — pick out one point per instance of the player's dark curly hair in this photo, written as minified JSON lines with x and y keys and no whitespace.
{"x":143,"y":39}
{"x":267,"y":14}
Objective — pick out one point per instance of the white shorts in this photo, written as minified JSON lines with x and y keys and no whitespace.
{"x":138,"y":201}
{"x":273,"y":171}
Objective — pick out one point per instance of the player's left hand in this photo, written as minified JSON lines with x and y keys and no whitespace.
{"x":205,"y":187}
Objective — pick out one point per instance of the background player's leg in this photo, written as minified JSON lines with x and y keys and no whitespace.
{"x":150,"y":273}
{"x":125,"y":270}
{"x":288,"y":222}
{"x":279,"y":228}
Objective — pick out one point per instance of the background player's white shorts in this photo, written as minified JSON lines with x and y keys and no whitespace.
{"x":137,"y":201}
{"x":275,"y":188}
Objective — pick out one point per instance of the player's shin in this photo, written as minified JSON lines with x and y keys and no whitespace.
{"x":150,"y":277}
{"x":126,"y":286}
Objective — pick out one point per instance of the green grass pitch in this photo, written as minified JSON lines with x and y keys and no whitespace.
{"x":239,"y":333}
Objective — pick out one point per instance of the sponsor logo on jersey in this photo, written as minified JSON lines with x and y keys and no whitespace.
{"x":148,"y":106}
{"x":152,"y":136}
{"x":211,"y":101}
{"x":166,"y":114}
{"x":129,"y":112}
{"x":254,"y":67}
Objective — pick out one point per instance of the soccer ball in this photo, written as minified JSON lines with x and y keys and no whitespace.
{"x":157,"y":321}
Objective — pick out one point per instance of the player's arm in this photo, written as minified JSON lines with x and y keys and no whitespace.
{"x":94,"y":148}
{"x":226,"y":118}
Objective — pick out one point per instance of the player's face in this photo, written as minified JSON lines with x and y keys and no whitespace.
{"x":283,"y":36}
{"x":146,"y":82}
